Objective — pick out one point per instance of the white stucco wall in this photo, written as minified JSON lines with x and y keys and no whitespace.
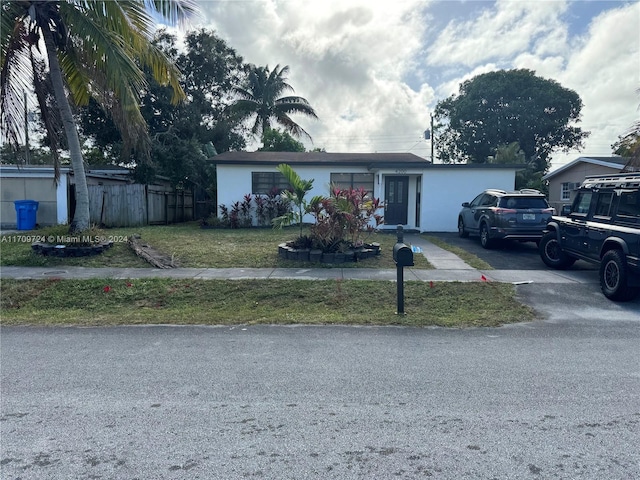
{"x":235,"y":181}
{"x":443,"y":189}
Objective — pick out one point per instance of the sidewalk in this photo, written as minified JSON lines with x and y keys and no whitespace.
{"x":448,"y":267}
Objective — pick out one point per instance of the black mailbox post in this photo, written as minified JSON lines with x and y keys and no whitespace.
{"x":403,"y":257}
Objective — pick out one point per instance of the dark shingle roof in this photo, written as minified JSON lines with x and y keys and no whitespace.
{"x":319,"y":158}
{"x":367,"y":160}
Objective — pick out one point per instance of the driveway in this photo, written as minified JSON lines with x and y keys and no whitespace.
{"x":506,"y":255}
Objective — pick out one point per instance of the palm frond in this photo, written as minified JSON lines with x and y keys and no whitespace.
{"x":175,"y":11}
{"x":15,"y":80}
{"x":49,"y":113}
{"x":96,"y":48}
{"x":292,"y":127}
{"x":294,"y":105}
{"x":164,"y":71}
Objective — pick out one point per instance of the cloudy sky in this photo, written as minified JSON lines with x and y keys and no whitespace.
{"x":375,"y":69}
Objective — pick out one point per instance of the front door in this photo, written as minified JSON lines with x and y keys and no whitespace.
{"x":396,"y":200}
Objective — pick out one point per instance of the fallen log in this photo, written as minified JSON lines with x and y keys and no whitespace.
{"x":150,"y":254}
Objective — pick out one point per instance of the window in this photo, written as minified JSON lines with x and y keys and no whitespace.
{"x":565,"y":192}
{"x":523,"y":202}
{"x":629,"y":205}
{"x":603,"y":205}
{"x":489,"y":201}
{"x":582,"y":202}
{"x":345,"y":181}
{"x":267,"y":182}
{"x":476,"y":201}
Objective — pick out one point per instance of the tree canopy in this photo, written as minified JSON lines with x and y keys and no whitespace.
{"x":499,"y":108}
{"x":182,"y":136}
{"x":274,"y":140}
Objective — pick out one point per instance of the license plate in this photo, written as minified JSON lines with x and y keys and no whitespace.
{"x":528,"y":216}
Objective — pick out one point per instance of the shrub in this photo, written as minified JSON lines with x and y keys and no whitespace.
{"x":342,"y":218}
{"x":262,"y":208}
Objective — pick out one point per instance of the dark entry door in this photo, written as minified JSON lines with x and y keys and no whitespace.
{"x":396,"y":200}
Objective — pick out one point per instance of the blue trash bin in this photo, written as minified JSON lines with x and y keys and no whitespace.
{"x":26,"y":214}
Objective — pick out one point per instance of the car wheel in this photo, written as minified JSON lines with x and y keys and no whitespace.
{"x":613,"y":277}
{"x":552,"y":254}
{"x":485,"y":240}
{"x":462,"y":233}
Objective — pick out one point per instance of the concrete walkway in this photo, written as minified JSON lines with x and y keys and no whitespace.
{"x":448,"y":267}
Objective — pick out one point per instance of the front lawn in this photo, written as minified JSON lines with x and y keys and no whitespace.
{"x":191,"y":246}
{"x":213,"y":302}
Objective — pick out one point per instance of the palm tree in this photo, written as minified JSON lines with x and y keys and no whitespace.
{"x":299,"y":188}
{"x":261,"y":96}
{"x":91,"y":49}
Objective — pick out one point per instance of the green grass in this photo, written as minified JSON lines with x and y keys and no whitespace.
{"x":15,"y":249}
{"x":192,"y":246}
{"x":215,"y":302}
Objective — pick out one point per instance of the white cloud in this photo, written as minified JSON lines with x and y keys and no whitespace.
{"x":347,"y":58}
{"x":499,"y":33}
{"x":604,"y":68}
{"x":365,"y":67}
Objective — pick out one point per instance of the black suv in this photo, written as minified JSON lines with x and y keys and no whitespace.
{"x":603,"y":227}
{"x":497,"y":215}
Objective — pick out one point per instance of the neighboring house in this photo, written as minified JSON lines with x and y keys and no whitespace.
{"x":114,"y":200}
{"x":417,"y":194}
{"x":566,"y":179}
{"x":34,"y":183}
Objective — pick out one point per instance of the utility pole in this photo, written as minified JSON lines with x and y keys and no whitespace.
{"x":26,"y":131}
{"x":433,"y":137}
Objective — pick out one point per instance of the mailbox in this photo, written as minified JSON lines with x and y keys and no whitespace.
{"x":402,"y":255}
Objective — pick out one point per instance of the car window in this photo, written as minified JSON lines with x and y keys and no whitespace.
{"x":582,"y":202}
{"x":489,"y":201}
{"x":603,"y":204}
{"x":476,"y":201}
{"x":524,"y":202}
{"x":629,"y":205}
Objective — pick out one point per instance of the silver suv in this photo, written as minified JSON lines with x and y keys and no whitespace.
{"x":497,"y":214}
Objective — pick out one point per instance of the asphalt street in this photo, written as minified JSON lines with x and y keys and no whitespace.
{"x":547,"y":399}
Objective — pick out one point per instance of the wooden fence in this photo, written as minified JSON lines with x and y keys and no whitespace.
{"x":132,"y":205}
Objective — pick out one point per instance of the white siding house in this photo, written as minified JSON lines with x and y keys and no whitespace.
{"x":416,"y":194}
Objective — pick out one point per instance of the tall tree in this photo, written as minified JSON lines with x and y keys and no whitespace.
{"x":274,"y":140}
{"x":632,"y":143}
{"x":180,"y":134}
{"x":628,"y":145}
{"x":260,"y":97}
{"x":90,"y":51}
{"x":499,"y":108}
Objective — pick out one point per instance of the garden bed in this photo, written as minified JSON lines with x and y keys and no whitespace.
{"x":288,"y":252}
{"x":63,"y":250}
